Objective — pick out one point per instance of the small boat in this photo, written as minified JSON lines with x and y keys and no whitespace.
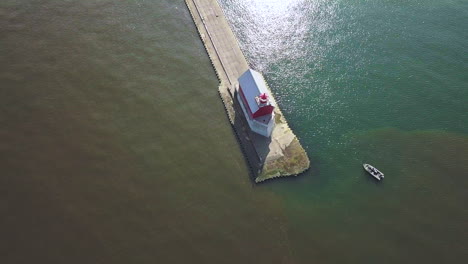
{"x":373,"y":171}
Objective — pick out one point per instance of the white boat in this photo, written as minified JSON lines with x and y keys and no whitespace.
{"x":373,"y":171}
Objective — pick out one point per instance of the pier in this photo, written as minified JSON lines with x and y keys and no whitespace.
{"x":277,"y":156}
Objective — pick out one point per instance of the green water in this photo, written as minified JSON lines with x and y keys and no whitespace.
{"x":382,"y":82}
{"x":115,"y":147}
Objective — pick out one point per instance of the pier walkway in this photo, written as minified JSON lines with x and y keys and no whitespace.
{"x":280,"y":155}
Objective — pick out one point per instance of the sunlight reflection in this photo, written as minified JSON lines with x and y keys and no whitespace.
{"x":274,"y":30}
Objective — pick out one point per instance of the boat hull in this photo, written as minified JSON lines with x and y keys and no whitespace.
{"x":373,"y":171}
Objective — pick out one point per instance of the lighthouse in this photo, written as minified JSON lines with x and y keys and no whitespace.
{"x":254,"y":99}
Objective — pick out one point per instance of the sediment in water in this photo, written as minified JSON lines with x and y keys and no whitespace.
{"x":277,"y":156}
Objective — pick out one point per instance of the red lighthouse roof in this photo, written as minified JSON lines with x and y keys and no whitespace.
{"x":263,"y":98}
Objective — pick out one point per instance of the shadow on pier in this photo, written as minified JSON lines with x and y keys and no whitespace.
{"x":255,"y":147}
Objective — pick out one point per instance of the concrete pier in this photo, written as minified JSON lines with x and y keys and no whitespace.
{"x":280,"y":155}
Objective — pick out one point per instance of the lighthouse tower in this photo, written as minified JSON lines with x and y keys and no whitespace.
{"x":255,"y":102}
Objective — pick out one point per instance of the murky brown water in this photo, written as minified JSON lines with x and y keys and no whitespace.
{"x":115,"y":147}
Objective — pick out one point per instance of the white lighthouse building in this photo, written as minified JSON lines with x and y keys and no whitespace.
{"x":254,"y":98}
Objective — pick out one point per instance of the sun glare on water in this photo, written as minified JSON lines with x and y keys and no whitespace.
{"x":274,"y":30}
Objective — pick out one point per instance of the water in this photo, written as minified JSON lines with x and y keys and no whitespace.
{"x":115,"y":146}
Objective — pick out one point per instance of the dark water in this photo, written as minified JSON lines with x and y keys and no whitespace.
{"x":115,"y":147}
